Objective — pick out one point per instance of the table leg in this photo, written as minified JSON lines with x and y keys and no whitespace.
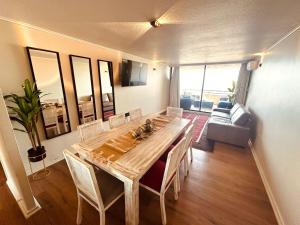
{"x":131,"y":202}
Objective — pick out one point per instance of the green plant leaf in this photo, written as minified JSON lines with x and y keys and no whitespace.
{"x":20,"y":130}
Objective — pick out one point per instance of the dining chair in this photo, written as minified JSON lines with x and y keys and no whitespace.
{"x":51,"y":119}
{"x":184,"y":157}
{"x":135,"y":114}
{"x":175,"y":112}
{"x":162,"y":174}
{"x":191,"y":143}
{"x":100,"y":190}
{"x":87,"y":110}
{"x":116,"y":120}
{"x":90,"y":129}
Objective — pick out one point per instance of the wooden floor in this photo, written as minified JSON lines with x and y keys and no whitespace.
{"x":223,"y":188}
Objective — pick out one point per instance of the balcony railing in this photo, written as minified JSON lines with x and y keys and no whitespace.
{"x":191,"y":99}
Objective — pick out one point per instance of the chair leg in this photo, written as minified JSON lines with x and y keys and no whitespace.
{"x":178,"y":180}
{"x":186,"y":165}
{"x":102,"y":217}
{"x":163,"y":209}
{"x":175,"y":183}
{"x":192,"y":157}
{"x":79,"y":210}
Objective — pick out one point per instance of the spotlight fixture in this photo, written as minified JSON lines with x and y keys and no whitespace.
{"x":155,"y":23}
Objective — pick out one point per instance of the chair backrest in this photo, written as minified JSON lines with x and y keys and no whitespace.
{"x":194,"y":120}
{"x":84,"y":178}
{"x":116,"y":120}
{"x":87,"y":109}
{"x":175,"y":112}
{"x":50,"y":116}
{"x":135,"y":114}
{"x":172,"y":164}
{"x":188,"y":135}
{"x":90,"y":129}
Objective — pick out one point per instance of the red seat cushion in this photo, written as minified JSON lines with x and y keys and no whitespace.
{"x":178,"y":139}
{"x":165,"y":155}
{"x":154,"y":176}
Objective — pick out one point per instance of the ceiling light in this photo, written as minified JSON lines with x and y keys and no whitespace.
{"x":155,"y":23}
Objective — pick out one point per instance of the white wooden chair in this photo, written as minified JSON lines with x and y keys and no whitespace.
{"x":90,"y":129}
{"x":175,"y":112}
{"x":87,"y":110}
{"x":194,"y":126}
{"x":184,"y":157}
{"x":100,"y":191}
{"x":162,"y":174}
{"x":135,"y":114}
{"x":116,"y":120}
{"x":51,"y":119}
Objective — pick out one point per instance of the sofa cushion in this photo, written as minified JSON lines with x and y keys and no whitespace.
{"x":240,"y":117}
{"x":220,"y":114}
{"x":234,"y":109}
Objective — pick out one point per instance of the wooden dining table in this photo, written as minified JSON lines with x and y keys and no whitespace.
{"x":132,"y":165}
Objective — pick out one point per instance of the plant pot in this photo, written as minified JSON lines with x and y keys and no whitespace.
{"x":36,"y":155}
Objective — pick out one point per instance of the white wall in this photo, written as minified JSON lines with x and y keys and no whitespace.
{"x":274,"y":97}
{"x":15,"y":37}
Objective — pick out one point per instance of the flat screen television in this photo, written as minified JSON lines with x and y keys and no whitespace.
{"x":133,"y":73}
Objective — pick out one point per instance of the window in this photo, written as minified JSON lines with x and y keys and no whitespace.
{"x":191,"y":82}
{"x":202,"y":88}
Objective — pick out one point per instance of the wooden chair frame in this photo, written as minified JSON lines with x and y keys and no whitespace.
{"x":116,"y":117}
{"x":170,"y":176}
{"x":173,"y":111}
{"x":96,"y":126}
{"x":135,"y":114}
{"x":95,"y":201}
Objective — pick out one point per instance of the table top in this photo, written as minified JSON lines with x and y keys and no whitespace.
{"x":135,"y":163}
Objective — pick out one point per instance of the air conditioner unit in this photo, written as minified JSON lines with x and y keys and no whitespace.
{"x":252,"y":65}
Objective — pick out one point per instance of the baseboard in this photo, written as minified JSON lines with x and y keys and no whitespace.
{"x":26,"y":212}
{"x":267,"y":186}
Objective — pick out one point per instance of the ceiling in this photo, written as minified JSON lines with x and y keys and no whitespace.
{"x":192,"y":31}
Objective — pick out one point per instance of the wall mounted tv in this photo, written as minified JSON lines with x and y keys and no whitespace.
{"x":133,"y":73}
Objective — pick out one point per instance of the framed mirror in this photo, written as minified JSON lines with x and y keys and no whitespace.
{"x":83,"y":88}
{"x":107,"y":94}
{"x":46,"y":70}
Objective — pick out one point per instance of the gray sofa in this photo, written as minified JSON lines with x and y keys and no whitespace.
{"x":230,"y":126}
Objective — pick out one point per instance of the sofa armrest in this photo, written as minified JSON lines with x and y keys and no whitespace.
{"x":225,"y":131}
{"x":222,"y":110}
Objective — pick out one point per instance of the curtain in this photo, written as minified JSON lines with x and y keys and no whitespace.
{"x":174,"y":96}
{"x":242,"y":85}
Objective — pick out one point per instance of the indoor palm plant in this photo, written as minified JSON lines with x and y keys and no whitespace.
{"x":25,"y":110}
{"x":231,"y":96}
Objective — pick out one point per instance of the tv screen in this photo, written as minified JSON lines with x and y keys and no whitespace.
{"x":133,"y":73}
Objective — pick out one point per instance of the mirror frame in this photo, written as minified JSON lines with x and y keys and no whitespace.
{"x":74,"y":85}
{"x":62,"y":86}
{"x":110,"y":68}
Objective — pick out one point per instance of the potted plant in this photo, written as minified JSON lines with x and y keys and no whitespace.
{"x":25,"y":110}
{"x":231,"y":96}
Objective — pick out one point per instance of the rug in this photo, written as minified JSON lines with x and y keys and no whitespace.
{"x":200,"y":123}
{"x":203,"y":143}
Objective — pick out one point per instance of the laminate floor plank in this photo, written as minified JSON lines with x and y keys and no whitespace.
{"x":222,"y":188}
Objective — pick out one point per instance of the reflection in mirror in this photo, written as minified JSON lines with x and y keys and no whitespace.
{"x":107,"y":89}
{"x":46,"y":70}
{"x":83,"y":86}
